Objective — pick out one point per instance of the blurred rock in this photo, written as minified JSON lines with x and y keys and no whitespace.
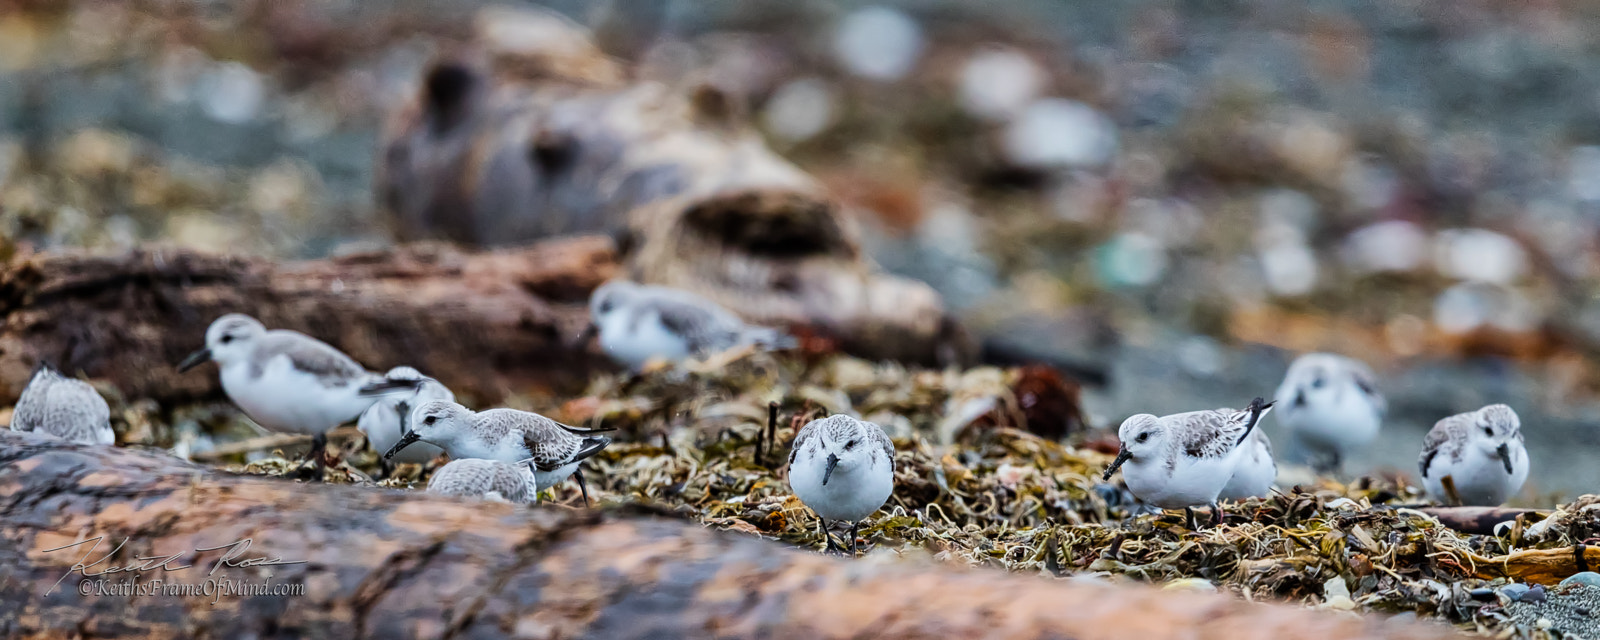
{"x":879,"y":43}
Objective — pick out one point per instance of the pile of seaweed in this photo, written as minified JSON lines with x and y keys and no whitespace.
{"x":976,"y":484}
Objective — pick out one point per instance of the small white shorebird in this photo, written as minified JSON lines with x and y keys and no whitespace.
{"x":507,"y":435}
{"x":284,"y":380}
{"x":843,"y":468}
{"x":382,"y":421}
{"x":1482,"y":454}
{"x":1254,"y":470}
{"x":64,"y":407}
{"x":1329,"y":406}
{"x":637,"y":322}
{"x":490,"y":479}
{"x":1184,"y":460}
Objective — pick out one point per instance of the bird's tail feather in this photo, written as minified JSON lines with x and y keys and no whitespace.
{"x":1258,"y":408}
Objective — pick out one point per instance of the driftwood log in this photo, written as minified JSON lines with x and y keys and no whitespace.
{"x":486,"y":324}
{"x":531,"y":132}
{"x":396,"y":564}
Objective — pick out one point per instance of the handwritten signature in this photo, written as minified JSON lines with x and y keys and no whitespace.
{"x":233,"y":557}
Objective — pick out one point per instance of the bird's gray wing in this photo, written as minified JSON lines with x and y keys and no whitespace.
{"x":1209,"y":434}
{"x":805,"y":438}
{"x":1441,"y":437}
{"x":549,"y":445}
{"x":312,"y":356}
{"x":705,"y":326}
{"x":881,"y":439}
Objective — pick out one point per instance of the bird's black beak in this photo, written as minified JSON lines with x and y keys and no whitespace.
{"x":1504,"y":452}
{"x":833,"y":461}
{"x":405,"y":441}
{"x":194,"y":360}
{"x":1122,"y":456}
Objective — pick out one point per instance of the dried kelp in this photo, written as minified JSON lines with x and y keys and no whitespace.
{"x":975,"y":485}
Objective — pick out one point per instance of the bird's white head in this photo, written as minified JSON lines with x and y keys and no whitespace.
{"x":1493,"y":430}
{"x":404,"y":373}
{"x":435,"y":422}
{"x":846,"y":443}
{"x":231,"y":338}
{"x":610,"y":298}
{"x":1323,"y":379}
{"x":1141,"y":437}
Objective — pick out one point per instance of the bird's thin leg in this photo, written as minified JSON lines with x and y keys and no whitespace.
{"x":319,"y":449}
{"x":1216,"y":513}
{"x":1337,"y":464}
{"x":385,"y":468}
{"x":855,"y":531}
{"x":1188,"y":518}
{"x":582,"y":486}
{"x":822,"y":523}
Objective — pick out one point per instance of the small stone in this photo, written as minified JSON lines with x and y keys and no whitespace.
{"x":1534,"y":595}
{"x":1543,"y":623}
{"x":1512,"y":591}
{"x":1190,"y":584}
{"x":1587,"y":578}
{"x":1484,"y":593}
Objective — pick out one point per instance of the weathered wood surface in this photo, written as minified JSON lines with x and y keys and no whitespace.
{"x":485,"y":323}
{"x":395,"y":564}
{"x":532,"y":132}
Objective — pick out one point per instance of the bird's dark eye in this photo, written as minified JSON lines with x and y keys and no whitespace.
{"x":430,"y":420}
{"x":1142,"y":437}
{"x":226,"y":339}
{"x":1317,"y":384}
{"x":849,"y":445}
{"x":1488,"y":431}
{"x":605,"y":307}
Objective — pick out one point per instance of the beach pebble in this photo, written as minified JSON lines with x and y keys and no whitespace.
{"x":1513,"y":592}
{"x":1535,"y":595}
{"x":1588,"y":577}
{"x":1189,"y":584}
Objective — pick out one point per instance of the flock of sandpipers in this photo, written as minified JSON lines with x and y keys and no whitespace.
{"x":839,"y":466}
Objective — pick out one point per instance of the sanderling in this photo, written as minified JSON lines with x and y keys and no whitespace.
{"x":492,"y":479}
{"x":381,"y":422}
{"x":507,"y":435}
{"x":63,"y":407}
{"x":843,"y":468}
{"x":638,"y":322}
{"x":1329,"y":406}
{"x":1185,"y":459}
{"x":1254,"y":470}
{"x":1481,"y":453}
{"x":285,"y":380}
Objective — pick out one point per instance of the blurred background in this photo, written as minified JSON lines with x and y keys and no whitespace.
{"x":1184,"y":195}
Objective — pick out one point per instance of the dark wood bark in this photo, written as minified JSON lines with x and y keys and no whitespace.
{"x":397,"y":564}
{"x":485,"y":323}
{"x":528,"y":137}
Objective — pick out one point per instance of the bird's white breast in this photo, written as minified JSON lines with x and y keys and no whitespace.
{"x":1480,"y":477}
{"x":286,"y":399}
{"x":1191,"y":482}
{"x":851,"y":493}
{"x":634,"y":343}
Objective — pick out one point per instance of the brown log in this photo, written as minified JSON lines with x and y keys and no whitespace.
{"x":485,"y":324}
{"x":534,"y":133}
{"x":397,"y":564}
{"x":1539,"y":566}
